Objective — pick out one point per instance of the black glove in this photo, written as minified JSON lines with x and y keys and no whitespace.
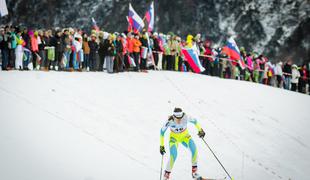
{"x":201,"y":133}
{"x":162,"y":150}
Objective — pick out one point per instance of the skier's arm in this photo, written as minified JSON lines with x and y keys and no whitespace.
{"x":162,"y":133}
{"x":195,"y":122}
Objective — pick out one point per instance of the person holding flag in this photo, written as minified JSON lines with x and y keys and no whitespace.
{"x":191,"y":56}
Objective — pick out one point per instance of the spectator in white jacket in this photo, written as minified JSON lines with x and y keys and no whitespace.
{"x":77,"y":44}
{"x":295,"y":77}
{"x":279,"y":74}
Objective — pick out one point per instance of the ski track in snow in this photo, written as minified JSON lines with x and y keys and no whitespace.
{"x":222,"y":132}
{"x":74,"y":125}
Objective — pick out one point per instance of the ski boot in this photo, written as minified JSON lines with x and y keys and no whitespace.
{"x":195,"y":174}
{"x":166,"y":175}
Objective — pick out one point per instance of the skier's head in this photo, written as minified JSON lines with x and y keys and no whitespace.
{"x":178,"y":113}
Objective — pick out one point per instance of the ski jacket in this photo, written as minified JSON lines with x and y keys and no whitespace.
{"x":178,"y":129}
{"x":77,"y":45}
{"x":130,"y":45}
{"x":250,"y":63}
{"x":278,"y":70}
{"x":287,"y":69}
{"x":93,"y":47}
{"x":34,"y":44}
{"x":136,"y":45}
{"x":295,"y":75}
{"x":85,"y":47}
{"x":156,"y":46}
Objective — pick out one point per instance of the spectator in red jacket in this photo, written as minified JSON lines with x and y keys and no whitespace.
{"x":303,"y":79}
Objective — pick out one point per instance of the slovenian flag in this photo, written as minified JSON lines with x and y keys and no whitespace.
{"x":192,"y":58}
{"x":134,"y":19}
{"x":3,"y":8}
{"x":95,"y":27}
{"x":232,"y":50}
{"x":149,"y":15}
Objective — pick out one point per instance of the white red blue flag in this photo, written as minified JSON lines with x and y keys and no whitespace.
{"x":3,"y":8}
{"x":231,"y":49}
{"x":134,"y":19}
{"x":149,"y":16}
{"x":95,"y":26}
{"x":192,"y":58}
{"x":129,"y":24}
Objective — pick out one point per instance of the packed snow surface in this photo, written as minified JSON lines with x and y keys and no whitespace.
{"x":96,"y":126}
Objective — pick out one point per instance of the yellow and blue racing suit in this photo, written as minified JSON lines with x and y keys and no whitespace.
{"x":179,"y":134}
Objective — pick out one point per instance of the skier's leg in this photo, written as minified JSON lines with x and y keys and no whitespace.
{"x":190,"y":144}
{"x":173,"y":153}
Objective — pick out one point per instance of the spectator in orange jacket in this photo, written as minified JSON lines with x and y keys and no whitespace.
{"x":136,"y":51}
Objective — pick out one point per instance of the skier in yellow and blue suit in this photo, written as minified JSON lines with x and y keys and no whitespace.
{"x":179,"y":134}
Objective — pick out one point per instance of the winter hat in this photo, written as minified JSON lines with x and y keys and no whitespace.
{"x":106,"y":35}
{"x":93,"y":31}
{"x":198,"y":36}
{"x":101,"y":34}
{"x":294,"y":66}
{"x":113,"y":36}
{"x":189,"y":37}
{"x":178,"y":113}
{"x":93,"y":35}
{"x":71,"y":30}
{"x":77,"y":36}
{"x":30,"y":33}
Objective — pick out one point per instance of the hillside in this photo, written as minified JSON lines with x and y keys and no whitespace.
{"x":95,"y":126}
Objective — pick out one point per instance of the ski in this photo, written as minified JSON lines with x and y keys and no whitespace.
{"x":211,"y":178}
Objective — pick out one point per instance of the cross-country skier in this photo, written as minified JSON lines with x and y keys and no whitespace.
{"x":179,"y":134}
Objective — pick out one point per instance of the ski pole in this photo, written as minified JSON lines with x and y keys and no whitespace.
{"x":217,"y":158}
{"x":161,"y":166}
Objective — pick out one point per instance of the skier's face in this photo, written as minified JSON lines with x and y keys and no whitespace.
{"x":177,"y":120}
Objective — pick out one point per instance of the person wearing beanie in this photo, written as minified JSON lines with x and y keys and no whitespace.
{"x":279,"y":74}
{"x":93,"y":52}
{"x":19,"y":51}
{"x":179,"y":135}
{"x":156,"y":48}
{"x":86,"y":51}
{"x":109,"y":58}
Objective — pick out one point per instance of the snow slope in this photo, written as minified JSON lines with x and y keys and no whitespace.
{"x":96,"y":126}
